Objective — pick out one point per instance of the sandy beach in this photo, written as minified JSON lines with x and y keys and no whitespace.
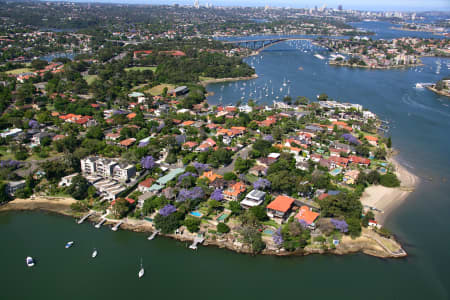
{"x":387,"y":199}
{"x":59,"y":205}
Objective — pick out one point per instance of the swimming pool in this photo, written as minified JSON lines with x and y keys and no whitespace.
{"x":196,"y":214}
{"x":335,"y":172}
{"x":222,"y":217}
{"x":268,"y":231}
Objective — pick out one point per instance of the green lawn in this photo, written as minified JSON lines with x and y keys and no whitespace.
{"x":18,"y":71}
{"x":157,"y":90}
{"x":251,"y":178}
{"x":90,"y":78}
{"x":153,"y":69}
{"x":202,"y":78}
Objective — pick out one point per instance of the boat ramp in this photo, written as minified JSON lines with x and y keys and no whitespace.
{"x":85,"y":217}
{"x":154,"y":234}
{"x":116,"y":227}
{"x":197,"y":240}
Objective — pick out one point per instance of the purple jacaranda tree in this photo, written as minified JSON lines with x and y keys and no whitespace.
{"x":119,"y":112}
{"x":187,"y":174}
{"x":277,"y":237}
{"x":9,"y":163}
{"x":143,"y":144}
{"x":194,"y":193}
{"x":217,"y":195}
{"x":200,"y":167}
{"x":268,"y":138}
{"x":33,"y":124}
{"x":303,"y":223}
{"x":350,"y":138}
{"x":167,"y":210}
{"x":261,"y":184}
{"x":148,"y":162}
{"x":340,"y":225}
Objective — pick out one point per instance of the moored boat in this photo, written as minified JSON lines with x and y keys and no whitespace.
{"x":141,"y":271}
{"x":69,"y":244}
{"x":30,"y":261}
{"x":94,"y":254}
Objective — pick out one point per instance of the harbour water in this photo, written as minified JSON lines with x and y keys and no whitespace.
{"x":420,"y":124}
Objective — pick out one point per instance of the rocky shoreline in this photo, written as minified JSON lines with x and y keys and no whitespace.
{"x":229,"y":79}
{"x":332,"y":63}
{"x":442,"y":92}
{"x":368,"y":243}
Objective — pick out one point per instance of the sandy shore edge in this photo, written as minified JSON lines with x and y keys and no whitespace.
{"x":369,"y":243}
{"x":388,"y":199}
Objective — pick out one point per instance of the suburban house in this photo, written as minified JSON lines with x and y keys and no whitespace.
{"x":67,"y":180}
{"x":211,"y":176}
{"x":307,"y":215}
{"x":144,"y":186}
{"x":234,"y":191}
{"x":258,"y":170}
{"x":127,"y":143}
{"x":279,"y":207}
{"x":13,"y":186}
{"x":181,"y":90}
{"x":254,"y":198}
{"x":37,"y":138}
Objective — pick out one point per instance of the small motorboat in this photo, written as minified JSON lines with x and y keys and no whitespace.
{"x":69,"y":244}
{"x":30,"y":261}
{"x":141,"y":271}
{"x":94,"y":254}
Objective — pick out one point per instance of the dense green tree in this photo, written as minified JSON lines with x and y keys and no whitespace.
{"x":223,"y":228}
{"x":389,"y":180}
{"x":192,"y":224}
{"x":259,"y":212}
{"x":4,"y":197}
{"x":168,"y":224}
{"x":79,"y":187}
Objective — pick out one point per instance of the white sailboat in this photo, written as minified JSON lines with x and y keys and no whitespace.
{"x":141,"y":271}
{"x":94,"y":254}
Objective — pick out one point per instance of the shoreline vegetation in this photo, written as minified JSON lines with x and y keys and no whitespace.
{"x":370,"y":242}
{"x":346,"y":64}
{"x":228,"y":79}
{"x":439,"y":92}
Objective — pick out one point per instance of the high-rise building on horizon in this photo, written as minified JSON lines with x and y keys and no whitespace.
{"x":196,"y":4}
{"x":340,"y":7}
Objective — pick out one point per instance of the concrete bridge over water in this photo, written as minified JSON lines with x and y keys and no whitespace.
{"x":261,"y":44}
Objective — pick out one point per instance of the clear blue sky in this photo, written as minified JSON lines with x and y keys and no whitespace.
{"x":405,"y":5}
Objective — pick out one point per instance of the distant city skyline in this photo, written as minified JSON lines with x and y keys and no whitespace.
{"x":398,"y":5}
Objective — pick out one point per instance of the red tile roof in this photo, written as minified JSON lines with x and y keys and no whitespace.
{"x":147,"y":182}
{"x":306,"y":215}
{"x":281,"y":203}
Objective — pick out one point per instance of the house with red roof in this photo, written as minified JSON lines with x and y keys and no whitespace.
{"x":373,"y":140}
{"x":144,"y":186}
{"x":359,"y":160}
{"x":127,"y":143}
{"x":138,"y":53}
{"x":338,"y":161}
{"x":280,"y":207}
{"x":307,"y":215}
{"x":189,"y":145}
{"x":234,"y":191}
